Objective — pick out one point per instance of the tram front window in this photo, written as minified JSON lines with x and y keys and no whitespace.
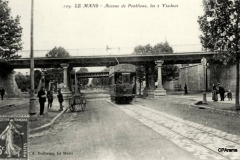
{"x":126,"y":78}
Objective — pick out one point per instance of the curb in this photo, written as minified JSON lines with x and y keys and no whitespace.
{"x":9,"y":106}
{"x":206,"y":108}
{"x":48,"y":125}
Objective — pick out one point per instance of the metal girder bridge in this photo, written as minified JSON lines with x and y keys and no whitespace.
{"x":111,"y":60}
{"x":91,"y":75}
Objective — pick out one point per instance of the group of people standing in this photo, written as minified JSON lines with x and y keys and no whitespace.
{"x":221,"y":91}
{"x":42,"y":99}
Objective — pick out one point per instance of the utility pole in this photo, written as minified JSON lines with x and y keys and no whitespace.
{"x":32,"y":109}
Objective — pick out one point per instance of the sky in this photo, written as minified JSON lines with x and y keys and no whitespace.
{"x":87,"y":31}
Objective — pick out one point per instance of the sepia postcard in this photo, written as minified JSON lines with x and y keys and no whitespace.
{"x":119,"y":80}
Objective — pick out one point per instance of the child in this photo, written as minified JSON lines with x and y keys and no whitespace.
{"x":60,"y":99}
{"x":229,"y":95}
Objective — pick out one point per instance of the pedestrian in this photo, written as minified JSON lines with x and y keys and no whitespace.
{"x":50,"y":97}
{"x":185,"y":90}
{"x":229,"y":95}
{"x":42,"y":100}
{"x":214,"y":93}
{"x":2,"y":92}
{"x":221,"y":92}
{"x":60,"y":99}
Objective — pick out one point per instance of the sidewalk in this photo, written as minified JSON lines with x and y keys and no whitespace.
{"x":224,"y":107}
{"x":7,"y":102}
{"x":20,"y":106}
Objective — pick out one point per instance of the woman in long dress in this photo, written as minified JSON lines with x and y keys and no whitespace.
{"x":214,"y":93}
{"x":7,"y":135}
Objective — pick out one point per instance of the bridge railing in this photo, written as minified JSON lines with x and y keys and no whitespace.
{"x":111,"y":51}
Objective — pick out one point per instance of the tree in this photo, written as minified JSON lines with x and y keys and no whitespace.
{"x":83,"y":81}
{"x":10,"y":36}
{"x":147,"y":49}
{"x":101,"y":81}
{"x":169,"y":72}
{"x":162,"y":48}
{"x":55,"y":74}
{"x":58,"y":52}
{"x":220,"y":25}
{"x":22,"y":81}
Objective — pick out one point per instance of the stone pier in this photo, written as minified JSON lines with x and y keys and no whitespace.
{"x":65,"y":91}
{"x":9,"y":84}
{"x":160,"y":91}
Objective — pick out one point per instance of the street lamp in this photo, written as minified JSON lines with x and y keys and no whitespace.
{"x":204,"y":63}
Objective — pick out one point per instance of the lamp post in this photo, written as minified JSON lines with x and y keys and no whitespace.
{"x":207,"y":64}
{"x":204,"y":63}
{"x":32,"y":109}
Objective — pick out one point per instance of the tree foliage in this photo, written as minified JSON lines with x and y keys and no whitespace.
{"x":58,"y":52}
{"x":10,"y":37}
{"x":22,"y":81}
{"x":147,"y":49}
{"x":169,"y":72}
{"x":83,"y":81}
{"x":220,"y":26}
{"x":162,"y":48}
{"x":10,"y":33}
{"x":55,"y":74}
{"x":101,"y":81}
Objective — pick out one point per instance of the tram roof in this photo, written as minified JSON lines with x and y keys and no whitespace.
{"x":129,"y":68}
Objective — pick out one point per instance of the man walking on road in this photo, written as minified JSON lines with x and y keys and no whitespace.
{"x":42,"y":99}
{"x":2,"y":92}
{"x":221,"y":92}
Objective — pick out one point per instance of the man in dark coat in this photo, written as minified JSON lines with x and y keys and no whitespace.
{"x":221,"y":92}
{"x":185,"y":89}
{"x":2,"y":92}
{"x":60,"y":99}
{"x":42,"y":99}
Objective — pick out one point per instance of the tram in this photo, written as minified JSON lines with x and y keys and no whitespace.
{"x":122,"y":83}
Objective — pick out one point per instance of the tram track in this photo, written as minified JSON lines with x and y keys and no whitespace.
{"x":202,"y":142}
{"x":186,"y":123}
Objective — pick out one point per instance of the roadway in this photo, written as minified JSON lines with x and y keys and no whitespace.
{"x":164,"y":129}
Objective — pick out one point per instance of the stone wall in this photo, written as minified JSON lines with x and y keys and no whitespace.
{"x":169,"y":85}
{"x":193,"y":76}
{"x":227,"y":77}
